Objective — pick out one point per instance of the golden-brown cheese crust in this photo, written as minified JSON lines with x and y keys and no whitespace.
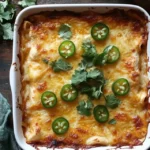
{"x":39,"y":39}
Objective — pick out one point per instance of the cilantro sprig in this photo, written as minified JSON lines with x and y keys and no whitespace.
{"x":89,"y":53}
{"x":60,"y":65}
{"x":84,"y":107}
{"x":89,"y":49}
{"x":91,"y":57}
{"x":89,"y":82}
{"x":79,"y":77}
{"x":26,"y":3}
{"x":112,"y":101}
{"x":7,"y":12}
{"x":7,"y":31}
{"x":65,"y":31}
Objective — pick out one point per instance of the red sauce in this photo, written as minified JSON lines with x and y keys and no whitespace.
{"x":73,"y":135}
{"x":137,"y":122}
{"x":121,"y":116}
{"x":81,"y":130}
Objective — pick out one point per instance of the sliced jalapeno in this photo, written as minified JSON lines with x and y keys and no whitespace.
{"x":101,"y":113}
{"x":68,"y":93}
{"x":60,"y":125}
{"x":113,"y":53}
{"x":121,"y":86}
{"x":99,"y":31}
{"x":67,"y":49}
{"x":48,"y":99}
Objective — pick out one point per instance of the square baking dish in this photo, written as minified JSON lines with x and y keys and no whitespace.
{"x":15,"y":70}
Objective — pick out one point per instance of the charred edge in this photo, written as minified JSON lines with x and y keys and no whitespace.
{"x":59,"y":144}
{"x":137,"y":17}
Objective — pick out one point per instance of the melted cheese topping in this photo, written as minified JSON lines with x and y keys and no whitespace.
{"x":39,"y":39}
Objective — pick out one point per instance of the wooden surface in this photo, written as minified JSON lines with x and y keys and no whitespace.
{"x":6,"y":46}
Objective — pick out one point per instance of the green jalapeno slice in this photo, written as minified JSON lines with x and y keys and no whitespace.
{"x":67,"y":49}
{"x":60,"y":125}
{"x":101,"y":113}
{"x":68,"y":93}
{"x":113,"y":53}
{"x":48,"y":99}
{"x":121,"y":86}
{"x":99,"y":31}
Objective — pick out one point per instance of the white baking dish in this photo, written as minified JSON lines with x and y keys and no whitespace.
{"x":15,"y":73}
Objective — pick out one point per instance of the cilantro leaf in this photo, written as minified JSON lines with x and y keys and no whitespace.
{"x":90,"y":83}
{"x":96,"y":76}
{"x":89,"y":53}
{"x":1,"y":8}
{"x":4,"y":4}
{"x":92,"y":92}
{"x":112,"y":121}
{"x":89,"y":48}
{"x":1,"y":12}
{"x":93,"y":74}
{"x":86,"y":89}
{"x":88,"y":61}
{"x":79,"y":77}
{"x":61,"y":65}
{"x":112,"y":101}
{"x":7,"y":11}
{"x":7,"y":31}
{"x":82,"y":65}
{"x":11,"y":9}
{"x":84,"y":108}
{"x":65,"y":31}
{"x":100,"y":59}
{"x":85,"y":63}
{"x":5,"y":15}
{"x":96,"y":92}
{"x":26,"y":3}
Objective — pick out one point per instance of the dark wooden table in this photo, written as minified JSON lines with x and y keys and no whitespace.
{"x":6,"y":46}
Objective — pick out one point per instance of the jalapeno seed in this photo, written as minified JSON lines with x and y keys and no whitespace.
{"x":99,"y":31}
{"x":68,"y":93}
{"x":121,"y":87}
{"x":60,"y":125}
{"x":48,"y":99}
{"x":67,"y":49}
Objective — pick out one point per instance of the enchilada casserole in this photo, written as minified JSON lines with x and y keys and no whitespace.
{"x":84,"y":78}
